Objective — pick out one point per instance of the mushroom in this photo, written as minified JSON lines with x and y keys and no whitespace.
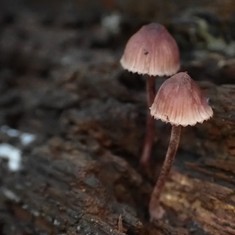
{"x":151,"y":51}
{"x":179,"y":102}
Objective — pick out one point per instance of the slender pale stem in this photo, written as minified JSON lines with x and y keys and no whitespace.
{"x":150,"y":127}
{"x":170,"y":156}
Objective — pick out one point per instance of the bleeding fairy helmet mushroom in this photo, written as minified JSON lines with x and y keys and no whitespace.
{"x":151,"y":51}
{"x":180,"y":102}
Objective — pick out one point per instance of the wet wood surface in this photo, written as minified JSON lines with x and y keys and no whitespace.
{"x":64,"y":84}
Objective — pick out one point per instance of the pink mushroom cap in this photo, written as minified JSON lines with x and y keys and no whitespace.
{"x":151,"y":50}
{"x":180,"y":101}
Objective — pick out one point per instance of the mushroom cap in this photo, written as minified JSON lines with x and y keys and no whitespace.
{"x":151,"y":50}
{"x":180,"y":101}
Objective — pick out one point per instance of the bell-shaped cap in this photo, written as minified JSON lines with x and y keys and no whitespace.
{"x":151,"y":50}
{"x":180,"y":101}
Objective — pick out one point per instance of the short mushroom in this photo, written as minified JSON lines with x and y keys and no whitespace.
{"x":151,"y":51}
{"x":179,"y":102}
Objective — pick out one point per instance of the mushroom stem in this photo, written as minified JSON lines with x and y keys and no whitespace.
{"x":150,"y":128}
{"x":169,"y":159}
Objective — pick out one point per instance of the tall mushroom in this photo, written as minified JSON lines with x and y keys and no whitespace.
{"x":179,"y":102}
{"x":151,"y":51}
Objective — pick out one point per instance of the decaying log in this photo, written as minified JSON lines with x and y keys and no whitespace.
{"x":81,"y":174}
{"x":79,"y":180}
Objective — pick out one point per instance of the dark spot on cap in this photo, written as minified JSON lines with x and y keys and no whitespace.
{"x":146,"y":52}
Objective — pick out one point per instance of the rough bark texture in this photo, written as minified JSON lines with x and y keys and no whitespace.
{"x":60,"y":79}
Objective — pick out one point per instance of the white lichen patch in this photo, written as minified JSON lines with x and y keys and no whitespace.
{"x":12,"y":154}
{"x":25,"y":138}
